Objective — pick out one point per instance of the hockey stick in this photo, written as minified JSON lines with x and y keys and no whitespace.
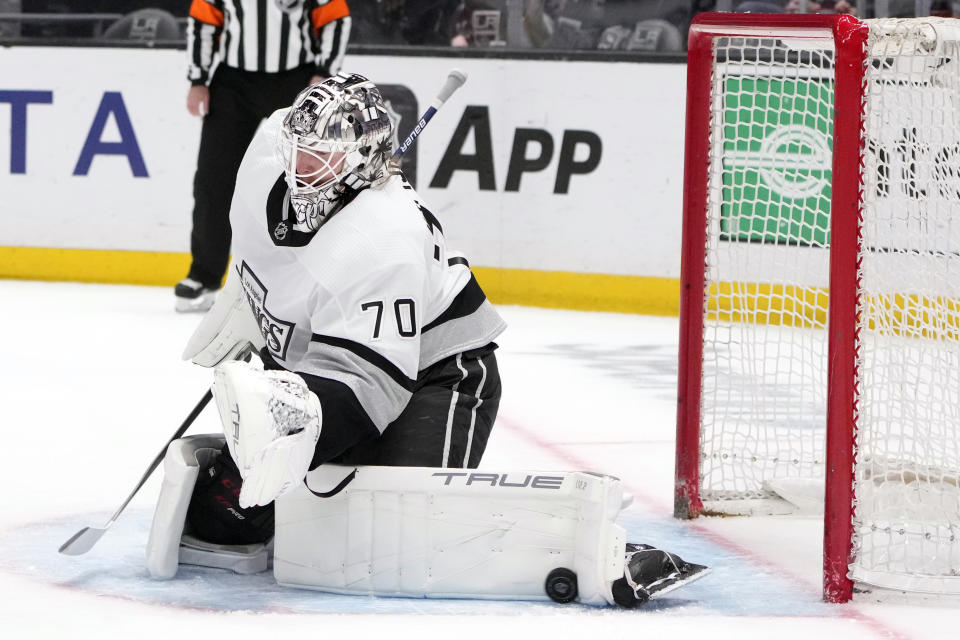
{"x":83,"y":540}
{"x":454,"y":81}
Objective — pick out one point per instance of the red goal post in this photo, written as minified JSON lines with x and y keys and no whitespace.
{"x":815,"y":180}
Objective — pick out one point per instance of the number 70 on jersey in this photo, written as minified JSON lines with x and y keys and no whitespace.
{"x":404,"y":316}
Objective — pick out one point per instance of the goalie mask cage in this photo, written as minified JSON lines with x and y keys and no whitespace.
{"x":820,"y":303}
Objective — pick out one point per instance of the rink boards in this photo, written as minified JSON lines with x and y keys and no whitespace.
{"x":561,"y":180}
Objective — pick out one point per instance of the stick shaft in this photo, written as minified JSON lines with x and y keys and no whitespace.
{"x":408,"y":141}
{"x":83,"y":540}
{"x":156,"y":461}
{"x":453,"y":82}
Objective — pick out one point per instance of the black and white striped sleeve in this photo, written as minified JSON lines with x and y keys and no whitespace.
{"x":204,"y":26}
{"x":331,"y":22}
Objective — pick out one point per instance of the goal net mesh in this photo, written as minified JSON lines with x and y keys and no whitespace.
{"x":907,"y":504}
{"x":763,"y":402}
{"x":764,"y":376}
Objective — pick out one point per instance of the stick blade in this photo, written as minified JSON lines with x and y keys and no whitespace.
{"x":82,"y":541}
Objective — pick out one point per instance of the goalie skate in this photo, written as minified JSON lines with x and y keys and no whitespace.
{"x":650,"y":573}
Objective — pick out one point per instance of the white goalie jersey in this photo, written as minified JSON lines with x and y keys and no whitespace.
{"x":361,"y":305}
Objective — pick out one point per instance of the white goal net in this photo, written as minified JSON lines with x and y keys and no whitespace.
{"x":767,"y":269}
{"x":764,"y":354}
{"x":907,"y":503}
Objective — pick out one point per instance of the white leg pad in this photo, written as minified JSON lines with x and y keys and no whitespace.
{"x":447,"y":533}
{"x":168,"y":546}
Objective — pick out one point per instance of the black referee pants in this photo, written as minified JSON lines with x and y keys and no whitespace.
{"x":239,"y":100}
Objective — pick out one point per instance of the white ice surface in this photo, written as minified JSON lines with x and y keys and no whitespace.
{"x":91,"y":386}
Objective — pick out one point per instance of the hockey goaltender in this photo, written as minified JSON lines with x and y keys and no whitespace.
{"x":349,"y":455}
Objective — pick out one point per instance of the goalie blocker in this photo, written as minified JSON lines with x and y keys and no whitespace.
{"x":427,"y":532}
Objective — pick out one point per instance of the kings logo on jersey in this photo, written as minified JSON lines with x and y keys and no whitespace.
{"x":275,"y":332}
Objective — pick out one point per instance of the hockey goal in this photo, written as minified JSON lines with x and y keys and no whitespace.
{"x":820,"y":309}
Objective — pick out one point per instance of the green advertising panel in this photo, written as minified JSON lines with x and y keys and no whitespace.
{"x":776,"y":161}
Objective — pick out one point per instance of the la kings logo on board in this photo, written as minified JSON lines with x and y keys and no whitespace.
{"x":275,"y":332}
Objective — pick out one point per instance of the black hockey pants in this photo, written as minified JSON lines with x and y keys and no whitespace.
{"x":447,"y":421}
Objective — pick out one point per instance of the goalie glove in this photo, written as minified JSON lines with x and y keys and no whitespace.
{"x":227,"y":330}
{"x":272,"y":422}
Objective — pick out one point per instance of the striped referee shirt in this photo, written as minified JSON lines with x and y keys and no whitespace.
{"x":266,"y":35}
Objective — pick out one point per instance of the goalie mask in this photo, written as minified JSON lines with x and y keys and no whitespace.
{"x":337,"y":136}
